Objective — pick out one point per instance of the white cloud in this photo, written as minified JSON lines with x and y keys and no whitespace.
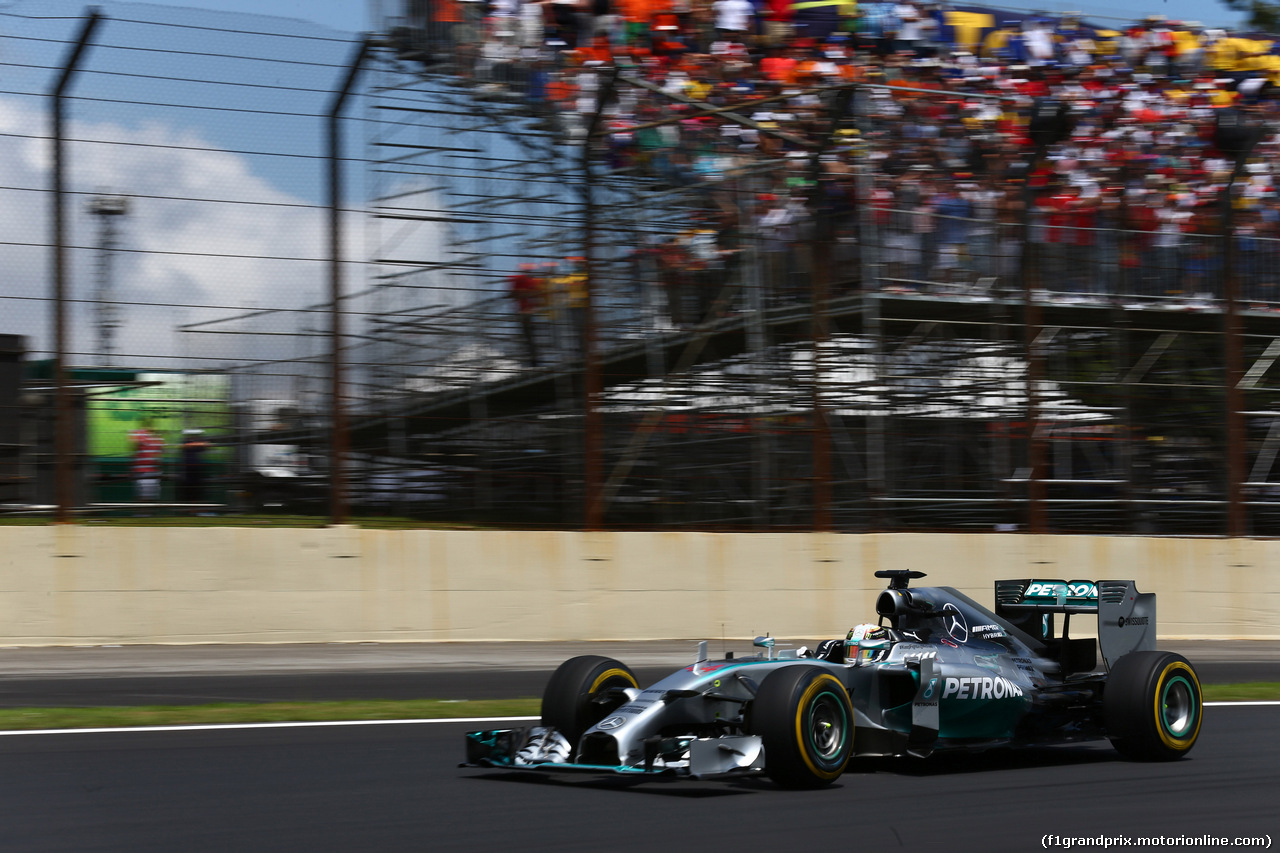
{"x":183,"y":246}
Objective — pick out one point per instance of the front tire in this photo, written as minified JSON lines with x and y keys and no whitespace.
{"x":568,"y":704}
{"x":1152,"y":706}
{"x":805,"y":719}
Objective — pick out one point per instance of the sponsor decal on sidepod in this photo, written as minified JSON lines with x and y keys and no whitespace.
{"x":980,"y":687}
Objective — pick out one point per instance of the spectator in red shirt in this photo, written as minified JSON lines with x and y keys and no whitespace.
{"x":1081,"y":248}
{"x":777,"y":22}
{"x":148,"y":451}
{"x":526,"y":292}
{"x":1058,"y":211}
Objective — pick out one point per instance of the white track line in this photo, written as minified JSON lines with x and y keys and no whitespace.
{"x":215,"y":727}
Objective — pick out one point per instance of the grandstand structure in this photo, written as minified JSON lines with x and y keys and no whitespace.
{"x":803,"y":381}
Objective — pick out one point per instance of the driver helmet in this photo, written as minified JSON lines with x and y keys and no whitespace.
{"x":867,"y":643}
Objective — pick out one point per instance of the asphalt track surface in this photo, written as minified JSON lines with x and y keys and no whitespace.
{"x":177,"y":675}
{"x":397,"y":787}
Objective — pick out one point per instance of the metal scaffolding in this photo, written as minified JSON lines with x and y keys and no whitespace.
{"x":749,"y":398}
{"x":728,"y":342}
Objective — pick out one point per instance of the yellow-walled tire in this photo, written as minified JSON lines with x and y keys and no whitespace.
{"x":805,"y":719}
{"x":1152,"y":706}
{"x":567,"y":704}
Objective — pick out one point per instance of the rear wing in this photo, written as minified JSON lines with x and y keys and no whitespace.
{"x":1126,"y":617}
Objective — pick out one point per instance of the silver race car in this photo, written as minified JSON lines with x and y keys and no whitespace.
{"x":938,"y":671}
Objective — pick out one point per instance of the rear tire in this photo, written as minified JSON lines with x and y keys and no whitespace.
{"x":1152,"y":706}
{"x":805,"y":719}
{"x":567,"y":704}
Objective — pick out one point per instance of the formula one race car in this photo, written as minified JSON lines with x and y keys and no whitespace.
{"x":938,"y":672}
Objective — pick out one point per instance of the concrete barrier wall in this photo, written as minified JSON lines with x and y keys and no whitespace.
{"x":74,"y":584}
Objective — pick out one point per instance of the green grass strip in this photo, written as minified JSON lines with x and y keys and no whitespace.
{"x":265,"y":712}
{"x":375,"y":709}
{"x":1254,"y":691}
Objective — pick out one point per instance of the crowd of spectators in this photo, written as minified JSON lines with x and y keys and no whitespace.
{"x":931,"y":174}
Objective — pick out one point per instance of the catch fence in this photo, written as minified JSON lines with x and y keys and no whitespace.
{"x":715,"y":334}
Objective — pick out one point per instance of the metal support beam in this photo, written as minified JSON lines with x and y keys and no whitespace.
{"x":1158,"y":348}
{"x":821,"y":324}
{"x":1266,"y":458}
{"x":1262,"y":365}
{"x":1037,"y":517}
{"x":593,"y":385}
{"x":338,"y":415}
{"x":1233,"y":358}
{"x":64,"y":434}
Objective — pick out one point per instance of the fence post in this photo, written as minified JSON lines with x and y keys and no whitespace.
{"x":820,"y":323}
{"x":1037,"y":518}
{"x":64,"y":436}
{"x":1233,"y":357}
{"x":338,"y":415}
{"x":593,"y":381}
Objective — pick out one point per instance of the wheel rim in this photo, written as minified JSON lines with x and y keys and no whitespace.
{"x":827,"y":727}
{"x":593,"y":713}
{"x":1178,"y":706}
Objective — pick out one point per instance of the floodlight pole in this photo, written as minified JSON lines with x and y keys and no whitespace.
{"x":64,"y":436}
{"x":339,"y":439}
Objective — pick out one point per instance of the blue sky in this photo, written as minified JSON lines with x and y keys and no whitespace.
{"x":353,"y":15}
{"x":1208,"y":12}
{"x":344,"y":15}
{"x":220,"y":153}
{"x":348,"y":15}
